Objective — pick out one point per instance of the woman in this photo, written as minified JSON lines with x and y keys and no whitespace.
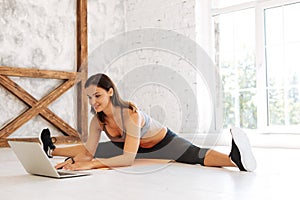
{"x":134,"y":134}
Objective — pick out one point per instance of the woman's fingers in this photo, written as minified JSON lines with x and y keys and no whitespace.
{"x":68,"y":167}
{"x":78,"y":166}
{"x":61,"y":165}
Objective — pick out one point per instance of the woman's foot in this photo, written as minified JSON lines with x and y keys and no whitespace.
{"x":241,"y":153}
{"x":47,"y":142}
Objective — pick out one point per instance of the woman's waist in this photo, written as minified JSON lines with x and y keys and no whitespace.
{"x":149,"y":141}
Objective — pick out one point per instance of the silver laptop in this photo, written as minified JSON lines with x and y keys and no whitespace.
{"x":35,"y":161}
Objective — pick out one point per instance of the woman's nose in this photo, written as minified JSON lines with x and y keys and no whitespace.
{"x":92,"y":101}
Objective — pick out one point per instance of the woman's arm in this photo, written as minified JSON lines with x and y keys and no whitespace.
{"x":82,"y":152}
{"x":126,"y":159}
{"x":132,"y":141}
{"x":94,"y":136}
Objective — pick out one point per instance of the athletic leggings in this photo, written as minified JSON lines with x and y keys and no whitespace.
{"x":172,"y":147}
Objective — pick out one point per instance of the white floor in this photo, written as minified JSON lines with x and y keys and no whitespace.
{"x":276,"y":177}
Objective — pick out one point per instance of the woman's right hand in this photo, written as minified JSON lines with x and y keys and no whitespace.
{"x":82,"y":157}
{"x":61,"y":165}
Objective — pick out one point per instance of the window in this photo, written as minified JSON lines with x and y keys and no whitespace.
{"x":256,"y":50}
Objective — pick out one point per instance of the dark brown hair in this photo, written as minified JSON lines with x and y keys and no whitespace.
{"x":104,"y":82}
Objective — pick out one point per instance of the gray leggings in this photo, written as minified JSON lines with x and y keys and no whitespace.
{"x":172,"y":147}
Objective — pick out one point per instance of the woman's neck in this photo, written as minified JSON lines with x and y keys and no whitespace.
{"x":111,"y":111}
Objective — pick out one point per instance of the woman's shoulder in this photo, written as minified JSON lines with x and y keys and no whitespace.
{"x":133,"y":115}
{"x":130,"y":112}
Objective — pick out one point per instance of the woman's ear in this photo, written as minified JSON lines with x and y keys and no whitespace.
{"x":111,"y":92}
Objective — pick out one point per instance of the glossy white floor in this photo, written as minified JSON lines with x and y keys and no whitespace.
{"x":276,"y":177}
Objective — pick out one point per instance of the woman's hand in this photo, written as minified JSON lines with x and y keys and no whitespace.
{"x":63,"y":164}
{"x":78,"y":158}
{"x":83,"y":157}
{"x":85,"y":165}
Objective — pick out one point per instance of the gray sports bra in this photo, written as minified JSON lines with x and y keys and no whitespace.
{"x":144,"y":129}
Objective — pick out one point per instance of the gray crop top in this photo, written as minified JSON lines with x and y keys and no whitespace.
{"x":144,"y":129}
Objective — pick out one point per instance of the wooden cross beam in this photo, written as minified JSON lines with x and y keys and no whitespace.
{"x":36,"y":107}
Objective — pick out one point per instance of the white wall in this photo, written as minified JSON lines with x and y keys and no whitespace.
{"x":162,"y":102}
{"x":127,"y":23}
{"x":106,"y":18}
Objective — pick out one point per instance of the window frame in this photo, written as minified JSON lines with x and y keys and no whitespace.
{"x":260,"y":54}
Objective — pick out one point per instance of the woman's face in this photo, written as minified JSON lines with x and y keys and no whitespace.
{"x":99,"y":98}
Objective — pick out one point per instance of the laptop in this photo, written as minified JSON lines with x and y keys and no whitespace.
{"x":36,"y":162}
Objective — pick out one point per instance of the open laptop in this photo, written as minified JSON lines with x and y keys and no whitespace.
{"x":36,"y":162}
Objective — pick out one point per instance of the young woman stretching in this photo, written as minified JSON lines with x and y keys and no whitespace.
{"x":133,"y":134}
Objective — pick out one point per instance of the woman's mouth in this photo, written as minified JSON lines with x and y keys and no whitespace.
{"x":96,"y":107}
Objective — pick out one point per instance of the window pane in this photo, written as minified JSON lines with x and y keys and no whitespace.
{"x":274,"y":22}
{"x":294,"y":106}
{"x":228,"y":77}
{"x":283,"y":64}
{"x":291,"y":23}
{"x":235,"y":47}
{"x":229,"y":112}
{"x":247,"y":73}
{"x":275,"y":63}
{"x":292,"y":61}
{"x":276,"y":107}
{"x":248,"y":110}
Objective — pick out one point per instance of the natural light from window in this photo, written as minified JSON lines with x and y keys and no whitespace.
{"x":283,"y":64}
{"x":239,"y":42}
{"x":236,"y":46}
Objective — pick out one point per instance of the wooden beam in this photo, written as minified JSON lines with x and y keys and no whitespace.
{"x":36,"y":109}
{"x":60,"y":140}
{"x":31,"y":101}
{"x":82,"y":67}
{"x":36,"y":73}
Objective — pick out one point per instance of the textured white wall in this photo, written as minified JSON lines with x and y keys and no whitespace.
{"x":176,"y":15}
{"x":161,"y":101}
{"x":37,"y":34}
{"x":109,"y":19}
{"x":106,"y":18}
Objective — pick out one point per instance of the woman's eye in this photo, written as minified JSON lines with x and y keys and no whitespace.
{"x":89,"y":97}
{"x":97,"y":96}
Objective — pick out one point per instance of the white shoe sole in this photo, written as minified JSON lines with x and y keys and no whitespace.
{"x":242,"y":142}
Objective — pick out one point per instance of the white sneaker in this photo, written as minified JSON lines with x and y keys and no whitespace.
{"x":241,"y":153}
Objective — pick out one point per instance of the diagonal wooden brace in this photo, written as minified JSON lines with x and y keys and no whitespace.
{"x":37,"y":107}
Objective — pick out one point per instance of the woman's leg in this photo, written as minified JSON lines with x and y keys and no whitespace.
{"x":175,"y":148}
{"x":240,"y":156}
{"x":216,"y":159}
{"x":109,"y":149}
{"x":178,"y":149}
{"x":71,"y":151}
{"x":51,"y":150}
